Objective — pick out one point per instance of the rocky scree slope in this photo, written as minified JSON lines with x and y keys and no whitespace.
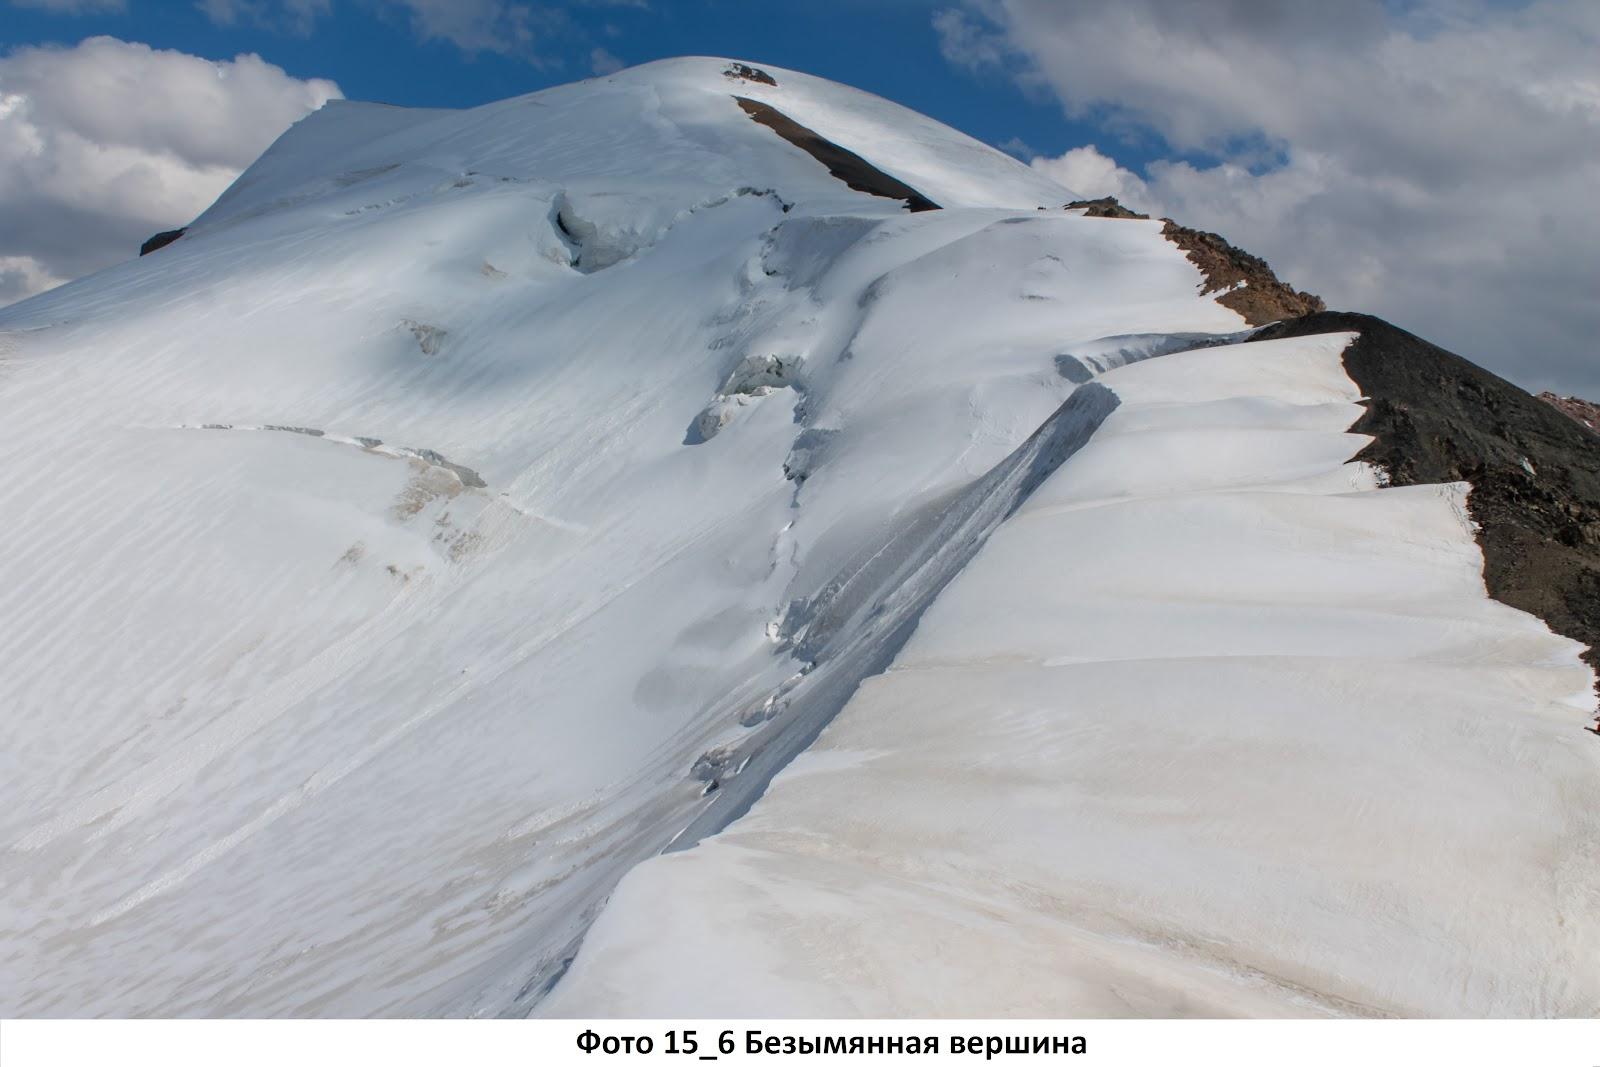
{"x":1534,"y":469}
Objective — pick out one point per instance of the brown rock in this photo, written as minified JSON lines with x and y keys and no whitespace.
{"x":1263,"y":298}
{"x":1106,"y":207}
{"x":1586,"y":413}
{"x":842,"y":163}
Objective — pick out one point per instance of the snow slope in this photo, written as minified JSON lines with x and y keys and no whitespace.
{"x":373,"y":593}
{"x":1214,"y":725}
{"x":473,"y":505}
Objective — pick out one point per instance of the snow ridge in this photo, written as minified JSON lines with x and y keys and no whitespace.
{"x":1248,"y":770}
{"x":725,"y":478}
{"x":854,"y":628}
{"x":404,"y":731}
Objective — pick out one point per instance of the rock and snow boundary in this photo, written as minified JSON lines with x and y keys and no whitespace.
{"x":1215,"y":725}
{"x":1168,"y":707}
{"x":1534,"y":470}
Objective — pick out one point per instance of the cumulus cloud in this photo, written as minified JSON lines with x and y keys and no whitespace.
{"x":107,"y":142}
{"x":1088,"y":172}
{"x":1433,"y":162}
{"x":21,"y":277}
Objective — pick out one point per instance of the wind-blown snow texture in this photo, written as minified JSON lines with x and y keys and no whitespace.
{"x":472,"y":505}
{"x":1212,"y":726}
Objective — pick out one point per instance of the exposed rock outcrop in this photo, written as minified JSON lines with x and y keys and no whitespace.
{"x":1584,"y":411}
{"x":842,"y":163}
{"x":745,"y":72}
{"x":1535,"y":472}
{"x":1247,"y":284}
{"x":161,"y":240}
{"x":429,"y":337}
{"x":1106,"y":207}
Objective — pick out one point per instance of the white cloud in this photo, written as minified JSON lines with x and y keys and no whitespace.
{"x":73,"y":7}
{"x":967,"y":43}
{"x":1091,"y":174}
{"x":1016,"y":146}
{"x":107,"y":142}
{"x":21,"y":276}
{"x":602,"y":62}
{"x":482,"y":25}
{"x":1433,"y":162}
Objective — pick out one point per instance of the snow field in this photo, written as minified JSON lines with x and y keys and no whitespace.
{"x":309,"y":725}
{"x":1212,"y":726}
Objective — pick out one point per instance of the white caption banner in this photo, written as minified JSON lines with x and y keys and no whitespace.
{"x":485,"y":1043}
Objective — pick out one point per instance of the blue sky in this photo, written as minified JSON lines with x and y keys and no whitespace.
{"x":889,"y":47}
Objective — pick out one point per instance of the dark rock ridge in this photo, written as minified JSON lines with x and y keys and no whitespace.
{"x":1535,"y":472}
{"x":1262,"y":299}
{"x":1106,"y":207}
{"x":745,"y":72}
{"x":161,"y":240}
{"x":842,"y":163}
{"x":1587,"y":413}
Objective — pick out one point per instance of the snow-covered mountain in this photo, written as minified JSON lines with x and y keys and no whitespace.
{"x":707,"y":540}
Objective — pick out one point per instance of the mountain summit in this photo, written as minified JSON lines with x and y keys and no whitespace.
{"x":710,"y":541}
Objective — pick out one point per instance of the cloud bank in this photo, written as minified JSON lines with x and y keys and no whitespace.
{"x":107,"y":142}
{"x":1434,"y":162}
